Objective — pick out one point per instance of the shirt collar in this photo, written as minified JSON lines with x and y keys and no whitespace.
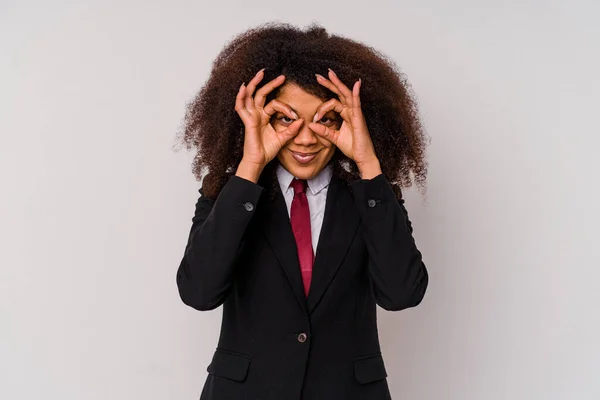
{"x":316,"y":184}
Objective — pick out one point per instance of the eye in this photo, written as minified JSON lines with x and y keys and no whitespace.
{"x":284,"y":119}
{"x":328,"y":121}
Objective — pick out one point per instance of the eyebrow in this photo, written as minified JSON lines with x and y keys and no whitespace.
{"x":294,"y":110}
{"x":291,"y":108}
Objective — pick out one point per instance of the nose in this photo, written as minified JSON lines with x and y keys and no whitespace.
{"x":306,"y":137}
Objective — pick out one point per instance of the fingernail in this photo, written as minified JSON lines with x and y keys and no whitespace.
{"x":330,"y":70}
{"x":319,"y":76}
{"x":262,"y":70}
{"x":295,"y":115}
{"x":315,"y":118}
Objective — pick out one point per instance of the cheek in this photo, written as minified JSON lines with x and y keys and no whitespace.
{"x":328,"y":152}
{"x":284,"y":153}
{"x":325,"y":143}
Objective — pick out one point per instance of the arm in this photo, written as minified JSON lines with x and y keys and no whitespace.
{"x":399,"y":276}
{"x":397,"y":271}
{"x":205,"y":273}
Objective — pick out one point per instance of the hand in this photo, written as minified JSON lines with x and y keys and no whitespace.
{"x":353,"y":137}
{"x":261,"y":141}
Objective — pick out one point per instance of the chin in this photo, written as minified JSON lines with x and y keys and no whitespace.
{"x":304,"y":173}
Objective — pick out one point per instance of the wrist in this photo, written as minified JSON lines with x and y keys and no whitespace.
{"x":249,"y":170}
{"x":369,"y":169}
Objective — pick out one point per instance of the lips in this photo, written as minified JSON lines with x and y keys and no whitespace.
{"x":303,"y":158}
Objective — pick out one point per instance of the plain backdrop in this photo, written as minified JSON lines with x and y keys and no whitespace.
{"x":95,"y":205}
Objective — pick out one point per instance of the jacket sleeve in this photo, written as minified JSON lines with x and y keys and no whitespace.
{"x":398,"y":274}
{"x":216,"y":238}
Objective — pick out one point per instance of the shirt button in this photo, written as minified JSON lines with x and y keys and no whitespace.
{"x":372,"y":203}
{"x":302,"y":337}
{"x":249,"y":206}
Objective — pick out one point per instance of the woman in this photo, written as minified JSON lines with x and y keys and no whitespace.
{"x":300,"y":228}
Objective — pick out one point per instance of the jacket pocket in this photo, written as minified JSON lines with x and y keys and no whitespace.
{"x":369,"y":369}
{"x":229,"y":365}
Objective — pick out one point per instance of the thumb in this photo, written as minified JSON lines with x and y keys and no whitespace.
{"x":323,"y":131}
{"x":292,"y":130}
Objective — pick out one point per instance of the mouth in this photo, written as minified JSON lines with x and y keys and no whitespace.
{"x":303,"y":158}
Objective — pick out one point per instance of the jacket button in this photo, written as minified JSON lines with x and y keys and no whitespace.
{"x":302,"y":337}
{"x":249,"y":206}
{"x":372,"y":203}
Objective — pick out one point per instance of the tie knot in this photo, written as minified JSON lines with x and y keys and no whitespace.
{"x":299,"y":186}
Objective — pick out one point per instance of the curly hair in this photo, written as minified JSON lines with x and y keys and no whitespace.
{"x":214,"y":129}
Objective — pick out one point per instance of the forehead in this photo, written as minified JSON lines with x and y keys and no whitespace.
{"x":297,"y":97}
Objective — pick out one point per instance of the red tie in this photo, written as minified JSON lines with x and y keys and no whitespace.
{"x":300,"y":218}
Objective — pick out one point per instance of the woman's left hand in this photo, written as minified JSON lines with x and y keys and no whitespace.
{"x":353,"y":137}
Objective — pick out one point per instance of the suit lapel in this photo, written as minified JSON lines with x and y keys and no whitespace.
{"x":339,"y":228}
{"x":278,"y":232}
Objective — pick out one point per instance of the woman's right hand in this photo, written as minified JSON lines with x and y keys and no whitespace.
{"x":261,"y":141}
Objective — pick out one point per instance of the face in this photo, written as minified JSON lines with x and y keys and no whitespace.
{"x":307,"y":153}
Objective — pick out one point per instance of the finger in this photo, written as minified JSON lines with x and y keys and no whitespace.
{"x":276,"y":105}
{"x":341,"y":87}
{"x":356,"y":94}
{"x":325,"y":132}
{"x":240,"y":107}
{"x":291,"y":131}
{"x":331,"y":104}
{"x":263,"y":92}
{"x":249,"y":101}
{"x":329,"y":85}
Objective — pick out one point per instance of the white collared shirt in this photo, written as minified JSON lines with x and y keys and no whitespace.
{"x":316,"y":194}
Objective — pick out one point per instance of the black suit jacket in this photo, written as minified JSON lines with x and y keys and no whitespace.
{"x":275,"y":342}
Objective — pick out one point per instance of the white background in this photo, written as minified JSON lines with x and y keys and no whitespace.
{"x":95,"y":206}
